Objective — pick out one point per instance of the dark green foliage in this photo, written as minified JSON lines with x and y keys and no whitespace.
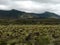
{"x":30,"y":21}
{"x":3,"y":43}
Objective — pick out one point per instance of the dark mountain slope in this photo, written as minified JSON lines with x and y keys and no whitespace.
{"x":14,"y":14}
{"x":48,"y":15}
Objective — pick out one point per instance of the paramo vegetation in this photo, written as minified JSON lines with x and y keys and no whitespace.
{"x":29,"y":34}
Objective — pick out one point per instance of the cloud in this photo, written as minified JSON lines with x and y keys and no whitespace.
{"x":5,"y":7}
{"x":48,"y":1}
{"x":31,"y":6}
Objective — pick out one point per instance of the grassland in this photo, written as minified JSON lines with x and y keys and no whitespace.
{"x":29,"y":34}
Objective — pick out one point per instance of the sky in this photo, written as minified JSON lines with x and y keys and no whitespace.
{"x":31,"y":6}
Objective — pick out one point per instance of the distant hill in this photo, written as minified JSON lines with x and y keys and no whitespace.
{"x":49,"y":15}
{"x":15,"y":14}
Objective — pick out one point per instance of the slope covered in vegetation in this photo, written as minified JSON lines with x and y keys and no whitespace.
{"x":29,"y":34}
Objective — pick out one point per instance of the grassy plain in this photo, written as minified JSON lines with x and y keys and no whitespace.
{"x":29,"y":34}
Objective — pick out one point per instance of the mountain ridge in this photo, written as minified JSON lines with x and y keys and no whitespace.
{"x":15,"y":14}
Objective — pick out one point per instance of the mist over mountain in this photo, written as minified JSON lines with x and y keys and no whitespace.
{"x":15,"y":14}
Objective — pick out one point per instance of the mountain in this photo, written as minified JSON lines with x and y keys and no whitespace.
{"x":15,"y":14}
{"x":48,"y":15}
{"x":12,"y":14}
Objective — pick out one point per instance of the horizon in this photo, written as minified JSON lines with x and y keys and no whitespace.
{"x":31,"y":6}
{"x":30,"y":12}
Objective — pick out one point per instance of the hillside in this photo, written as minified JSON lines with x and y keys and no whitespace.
{"x":15,"y":14}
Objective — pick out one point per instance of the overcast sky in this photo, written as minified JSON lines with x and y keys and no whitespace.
{"x":31,"y":6}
